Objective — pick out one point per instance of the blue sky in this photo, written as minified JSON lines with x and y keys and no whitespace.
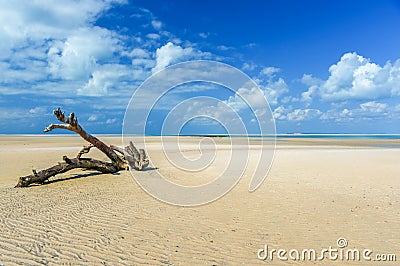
{"x":324,"y":66}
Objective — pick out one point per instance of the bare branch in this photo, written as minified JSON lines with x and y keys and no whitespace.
{"x":53,"y":126}
{"x":73,"y":125}
{"x":69,"y":164}
{"x":84,"y":150}
{"x":131,"y":149}
{"x":136,"y":159}
{"x":131,"y":157}
{"x":117,"y":149}
{"x":143,"y":159}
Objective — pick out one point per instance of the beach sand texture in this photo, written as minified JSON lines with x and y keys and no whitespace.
{"x":316,"y":192}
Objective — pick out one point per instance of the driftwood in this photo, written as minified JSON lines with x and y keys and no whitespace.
{"x":121,"y":158}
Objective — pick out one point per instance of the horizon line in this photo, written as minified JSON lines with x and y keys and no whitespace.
{"x":211,"y":135}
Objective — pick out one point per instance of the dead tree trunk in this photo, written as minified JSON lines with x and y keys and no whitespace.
{"x":127,"y":158}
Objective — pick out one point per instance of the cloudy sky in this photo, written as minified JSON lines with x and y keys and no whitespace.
{"x":324,"y":66}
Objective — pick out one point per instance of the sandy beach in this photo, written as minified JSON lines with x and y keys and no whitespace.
{"x":316,"y":192}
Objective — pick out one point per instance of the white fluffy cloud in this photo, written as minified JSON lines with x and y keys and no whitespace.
{"x":303,"y":114}
{"x":313,"y":84}
{"x":280,"y":113}
{"x":77,"y":56}
{"x":153,"y":36}
{"x":356,"y":77}
{"x":35,"y":21}
{"x":54,"y":48}
{"x":254,"y":97}
{"x":374,"y":107}
{"x":270,"y":71}
{"x":273,"y":87}
{"x":365,"y":111}
{"x":248,"y":66}
{"x":274,"y":90}
{"x":283,"y":113}
{"x":54,"y":42}
{"x":104,"y":78}
{"x":171,"y":53}
{"x":156,"y":24}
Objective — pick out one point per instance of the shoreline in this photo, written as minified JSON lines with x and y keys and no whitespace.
{"x":362,"y":141}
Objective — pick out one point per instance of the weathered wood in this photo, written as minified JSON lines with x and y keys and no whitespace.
{"x":62,"y":167}
{"x":73,"y":125}
{"x":129,"y":157}
{"x":84,"y":150}
{"x":136,"y":159}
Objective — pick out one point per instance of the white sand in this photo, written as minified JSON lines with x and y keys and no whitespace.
{"x":315,"y":193}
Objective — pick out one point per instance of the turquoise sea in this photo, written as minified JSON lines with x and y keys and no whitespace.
{"x":313,"y":136}
{"x":295,"y":136}
{"x":341,"y":136}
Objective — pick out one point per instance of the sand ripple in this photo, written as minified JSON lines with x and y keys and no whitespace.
{"x":99,"y":221}
{"x":311,"y":197}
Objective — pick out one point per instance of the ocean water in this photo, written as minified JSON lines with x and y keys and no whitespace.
{"x":278,"y":136}
{"x":341,"y":136}
{"x":393,"y":138}
{"x":312,"y":136}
